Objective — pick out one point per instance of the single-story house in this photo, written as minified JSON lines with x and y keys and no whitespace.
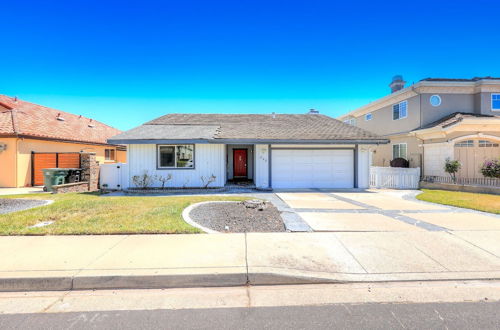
{"x":266,"y":151}
{"x":34,"y":137}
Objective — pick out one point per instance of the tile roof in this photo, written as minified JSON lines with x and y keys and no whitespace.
{"x":19,"y":117}
{"x":454,"y":118}
{"x":246,"y":127}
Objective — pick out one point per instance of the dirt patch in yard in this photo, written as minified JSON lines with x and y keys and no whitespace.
{"x":14,"y":205}
{"x":236,"y":217}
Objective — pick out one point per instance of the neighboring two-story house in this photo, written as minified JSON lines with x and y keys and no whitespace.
{"x":433,"y":120}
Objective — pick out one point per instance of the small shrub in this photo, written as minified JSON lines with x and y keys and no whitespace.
{"x":491,"y":168}
{"x":144,"y":180}
{"x":451,"y":167}
{"x":208,"y":180}
{"x":164,"y":179}
{"x":400,"y":162}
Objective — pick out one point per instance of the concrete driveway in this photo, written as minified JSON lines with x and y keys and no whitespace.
{"x":382,"y":211}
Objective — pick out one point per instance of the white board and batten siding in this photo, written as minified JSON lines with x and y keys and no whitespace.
{"x":262,"y":165}
{"x":209,"y":159}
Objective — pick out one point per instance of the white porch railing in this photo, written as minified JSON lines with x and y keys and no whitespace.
{"x":113,"y":176}
{"x":394,"y":177}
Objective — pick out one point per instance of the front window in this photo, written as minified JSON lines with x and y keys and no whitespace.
{"x":176,"y":156}
{"x":487,"y":144}
{"x":400,"y":110}
{"x":109,"y":154}
{"x":399,"y":151}
{"x":465,"y":144}
{"x":495,"y":102}
{"x":368,"y":116}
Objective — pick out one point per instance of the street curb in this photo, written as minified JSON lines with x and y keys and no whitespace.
{"x":109,"y":282}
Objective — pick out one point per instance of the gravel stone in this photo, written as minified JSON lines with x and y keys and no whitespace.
{"x":14,"y":205}
{"x":235,"y":217}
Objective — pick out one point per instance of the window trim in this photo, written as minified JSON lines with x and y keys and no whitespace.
{"x":436,"y":96}
{"x":110,"y":159}
{"x":163,"y":168}
{"x":399,"y":110}
{"x":368,"y":114}
{"x":487,"y":144}
{"x":466,"y":143}
{"x":491,"y":97}
{"x":399,"y":144}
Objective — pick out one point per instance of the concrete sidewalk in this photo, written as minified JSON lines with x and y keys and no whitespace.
{"x":165,"y":261}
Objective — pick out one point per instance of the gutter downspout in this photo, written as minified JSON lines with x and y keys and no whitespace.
{"x":420,"y":126}
{"x":16,"y":133}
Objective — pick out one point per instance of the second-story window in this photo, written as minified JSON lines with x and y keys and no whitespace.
{"x":351,"y":121}
{"x":368,"y":116}
{"x":495,"y":102}
{"x":400,"y":110}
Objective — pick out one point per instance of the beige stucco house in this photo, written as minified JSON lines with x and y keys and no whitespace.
{"x":34,"y":137}
{"x":433,"y":120}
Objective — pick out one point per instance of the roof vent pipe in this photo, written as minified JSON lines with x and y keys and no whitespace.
{"x":313,"y":112}
{"x":273,"y":114}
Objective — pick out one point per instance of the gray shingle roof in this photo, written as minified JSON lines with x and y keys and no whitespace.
{"x":247,"y":127}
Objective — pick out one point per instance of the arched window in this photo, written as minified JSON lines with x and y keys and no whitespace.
{"x":466,"y":144}
{"x":487,"y":144}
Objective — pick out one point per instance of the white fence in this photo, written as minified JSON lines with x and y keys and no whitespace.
{"x":394,"y":177}
{"x":113,"y":176}
{"x":488,"y":182}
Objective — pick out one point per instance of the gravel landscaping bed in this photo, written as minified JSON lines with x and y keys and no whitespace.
{"x":236,"y":217}
{"x":14,"y":205}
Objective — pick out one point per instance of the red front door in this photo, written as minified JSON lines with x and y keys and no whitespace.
{"x":240,"y":162}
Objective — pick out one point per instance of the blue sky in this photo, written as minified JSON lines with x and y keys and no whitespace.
{"x":125,"y":62}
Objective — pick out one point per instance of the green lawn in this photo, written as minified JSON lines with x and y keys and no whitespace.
{"x":89,"y":213}
{"x":480,"y":202}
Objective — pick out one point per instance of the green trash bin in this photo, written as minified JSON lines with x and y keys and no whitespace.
{"x":54,"y":176}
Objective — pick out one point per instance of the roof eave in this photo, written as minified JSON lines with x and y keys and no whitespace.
{"x":248,"y":141}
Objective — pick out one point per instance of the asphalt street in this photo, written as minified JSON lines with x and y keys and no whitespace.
{"x":478,"y":315}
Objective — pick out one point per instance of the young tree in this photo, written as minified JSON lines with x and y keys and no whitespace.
{"x":451,"y":167}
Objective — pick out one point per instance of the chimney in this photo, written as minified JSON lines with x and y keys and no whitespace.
{"x":313,"y":112}
{"x":397,"y":83}
{"x":273,"y":114}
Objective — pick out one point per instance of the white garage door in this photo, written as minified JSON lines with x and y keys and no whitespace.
{"x":316,"y":168}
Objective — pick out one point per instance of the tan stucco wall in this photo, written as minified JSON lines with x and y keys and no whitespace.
{"x":383,"y":124}
{"x":26,"y":146}
{"x":121,"y":156}
{"x":450,"y":103}
{"x":422,"y":113}
{"x":382,"y":154}
{"x":8,"y":163}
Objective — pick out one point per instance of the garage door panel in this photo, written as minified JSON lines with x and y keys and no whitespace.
{"x":312,"y":168}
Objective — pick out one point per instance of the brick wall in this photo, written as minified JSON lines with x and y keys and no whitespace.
{"x":71,"y":187}
{"x":90,"y":175}
{"x":90,"y":169}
